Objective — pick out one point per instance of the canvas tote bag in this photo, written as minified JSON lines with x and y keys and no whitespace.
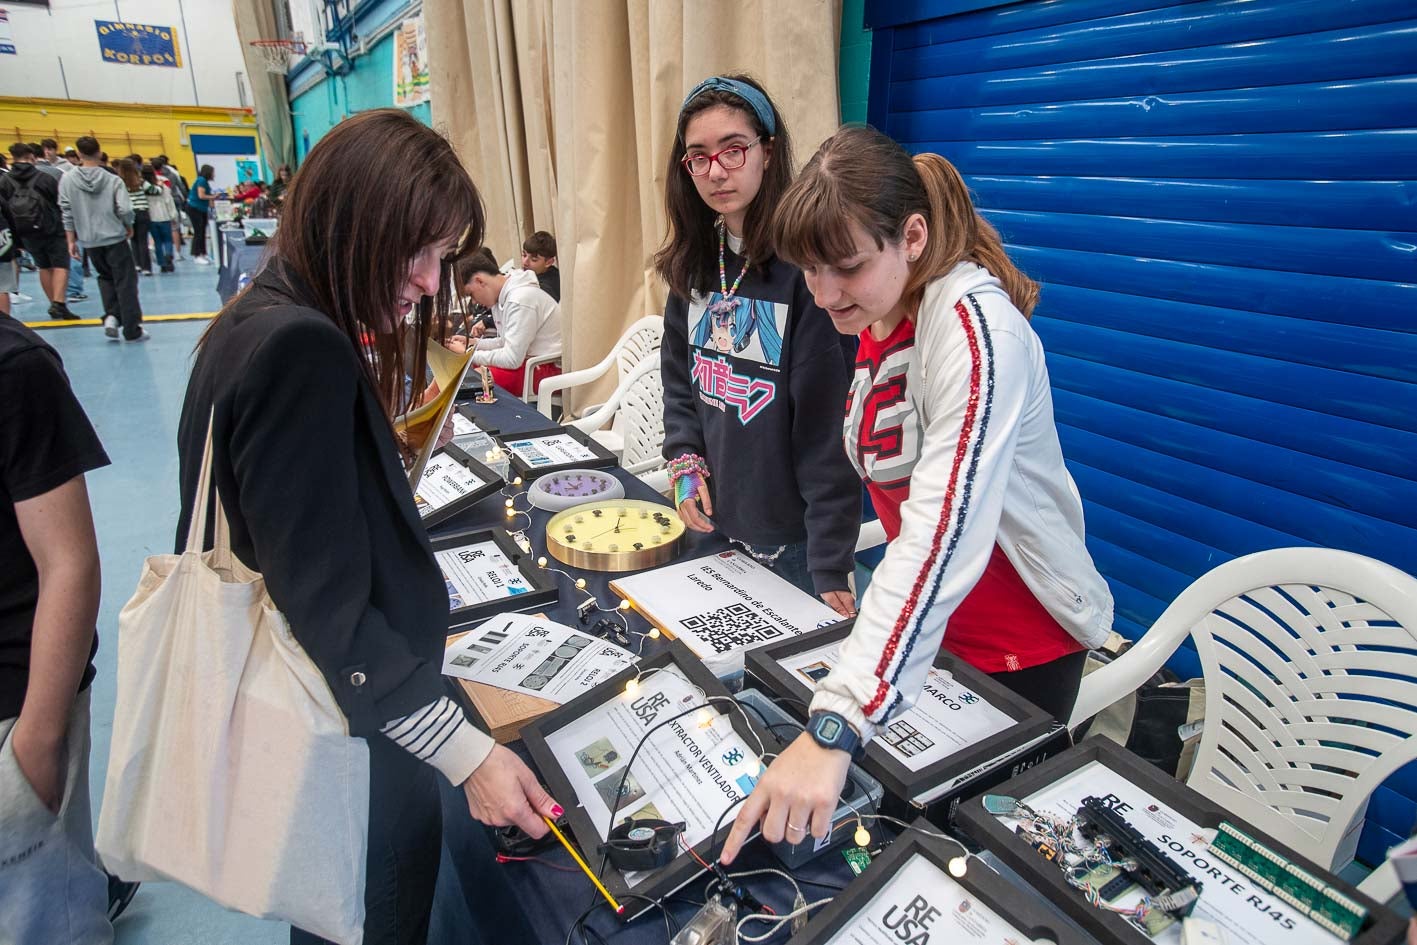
{"x":232,"y":769}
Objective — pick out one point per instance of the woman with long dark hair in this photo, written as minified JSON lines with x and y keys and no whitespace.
{"x":950,"y":423}
{"x":298,"y":378}
{"x":199,"y":208}
{"x":749,"y":361}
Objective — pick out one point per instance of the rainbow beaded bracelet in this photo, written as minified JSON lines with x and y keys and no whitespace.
{"x":687,"y":474}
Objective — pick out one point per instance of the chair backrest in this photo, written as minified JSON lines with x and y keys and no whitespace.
{"x":640,"y":419}
{"x":1310,"y":664}
{"x":640,"y":341}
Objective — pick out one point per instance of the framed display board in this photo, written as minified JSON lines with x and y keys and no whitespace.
{"x":908,"y":895}
{"x":555,"y":450}
{"x":487,"y":574}
{"x":1179,"y":821}
{"x":693,"y":769}
{"x":452,"y":482}
{"x":961,"y":723}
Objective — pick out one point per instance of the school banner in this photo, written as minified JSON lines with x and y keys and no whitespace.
{"x":411,"y":63}
{"x":138,"y":44}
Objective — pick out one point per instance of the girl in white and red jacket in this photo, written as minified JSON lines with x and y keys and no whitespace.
{"x":950,"y":422}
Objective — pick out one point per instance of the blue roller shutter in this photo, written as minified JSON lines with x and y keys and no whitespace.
{"x":1220,"y":198}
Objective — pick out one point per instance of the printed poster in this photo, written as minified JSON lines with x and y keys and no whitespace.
{"x":478,"y":573}
{"x":534,"y":656}
{"x":554,"y":450}
{"x":1246,"y":913}
{"x":411,"y":64}
{"x":923,"y":904}
{"x":692,"y":769}
{"x":947,"y":717}
{"x":445,"y":480}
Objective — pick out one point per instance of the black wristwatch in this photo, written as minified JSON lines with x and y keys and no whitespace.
{"x":831,"y":730}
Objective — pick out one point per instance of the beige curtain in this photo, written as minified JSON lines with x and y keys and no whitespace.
{"x":256,"y":19}
{"x":564,"y":112}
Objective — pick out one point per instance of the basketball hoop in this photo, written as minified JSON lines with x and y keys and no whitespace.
{"x":277,"y":52}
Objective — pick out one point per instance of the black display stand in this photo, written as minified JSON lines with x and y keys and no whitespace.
{"x":1031,"y":722}
{"x":492,"y":484}
{"x":543,"y":593}
{"x":468,"y":410}
{"x":602,"y":458}
{"x":1018,"y":907}
{"x":684,"y":867}
{"x":1383,"y":927}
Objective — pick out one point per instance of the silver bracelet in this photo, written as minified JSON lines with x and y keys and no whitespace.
{"x":767,"y":559}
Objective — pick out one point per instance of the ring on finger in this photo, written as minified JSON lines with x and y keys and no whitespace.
{"x":796,"y":828}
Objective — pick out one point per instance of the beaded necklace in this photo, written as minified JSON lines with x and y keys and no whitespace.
{"x":726,"y":303}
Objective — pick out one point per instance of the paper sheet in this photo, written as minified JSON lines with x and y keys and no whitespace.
{"x":946,"y":718}
{"x":534,"y":656}
{"x":723,"y":605}
{"x":479,"y":572}
{"x":689,"y":770}
{"x":922,"y":903}
{"x":556,"y":450}
{"x":1246,"y":913}
{"x":445,"y":480}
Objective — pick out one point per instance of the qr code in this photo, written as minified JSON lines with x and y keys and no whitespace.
{"x":731,"y":628}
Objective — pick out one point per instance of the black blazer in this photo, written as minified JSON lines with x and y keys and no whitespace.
{"x":318,"y":501}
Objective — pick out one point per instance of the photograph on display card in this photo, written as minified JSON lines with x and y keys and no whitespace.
{"x":485,"y":574}
{"x":534,"y":656}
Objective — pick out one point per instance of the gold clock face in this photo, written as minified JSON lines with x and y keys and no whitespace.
{"x":615,"y":535}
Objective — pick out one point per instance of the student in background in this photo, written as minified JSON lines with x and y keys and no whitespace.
{"x":33,"y":197}
{"x":99,"y":217}
{"x":162,"y":212}
{"x":51,"y":887}
{"x":528,"y":321}
{"x":138,"y":196}
{"x":751,"y":365}
{"x":278,"y":187}
{"x":199,"y":201}
{"x":539,"y":255}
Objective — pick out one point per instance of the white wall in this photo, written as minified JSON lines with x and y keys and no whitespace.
{"x":58,"y":54}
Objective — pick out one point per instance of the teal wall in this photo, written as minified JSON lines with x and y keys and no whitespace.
{"x":370,"y":85}
{"x":855,"y":71}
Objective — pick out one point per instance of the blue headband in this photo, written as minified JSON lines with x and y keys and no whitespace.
{"x":755,"y":99}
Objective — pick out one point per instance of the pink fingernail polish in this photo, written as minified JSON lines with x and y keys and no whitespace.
{"x":557,"y":810}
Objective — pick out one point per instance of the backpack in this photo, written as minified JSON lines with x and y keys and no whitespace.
{"x":33,"y":214}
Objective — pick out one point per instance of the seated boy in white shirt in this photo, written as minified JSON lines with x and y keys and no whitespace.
{"x":528,"y":321}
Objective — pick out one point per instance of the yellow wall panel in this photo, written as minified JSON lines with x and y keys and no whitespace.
{"x":121,"y":129}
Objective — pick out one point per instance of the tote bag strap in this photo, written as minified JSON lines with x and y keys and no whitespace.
{"x":197,"y":527}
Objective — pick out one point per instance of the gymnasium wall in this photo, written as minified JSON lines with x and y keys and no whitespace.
{"x":57,"y":54}
{"x":122,"y":129}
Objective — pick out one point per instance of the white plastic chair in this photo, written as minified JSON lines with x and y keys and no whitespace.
{"x":1310,"y":666}
{"x":640,"y":341}
{"x":529,"y":372}
{"x":635,"y":412}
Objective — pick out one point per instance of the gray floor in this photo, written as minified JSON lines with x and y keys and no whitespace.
{"x":133,"y":395}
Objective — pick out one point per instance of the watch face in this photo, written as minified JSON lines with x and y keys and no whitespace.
{"x":829,"y":729}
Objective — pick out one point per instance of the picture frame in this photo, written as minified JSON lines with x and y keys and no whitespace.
{"x":541,"y":590}
{"x":1025,"y":913}
{"x":1383,"y":926}
{"x":490,"y":484}
{"x":683,"y":869}
{"x":955,"y":770}
{"x":529,"y":469}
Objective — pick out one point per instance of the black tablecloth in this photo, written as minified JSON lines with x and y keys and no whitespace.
{"x":552,"y":899}
{"x":239,"y":261}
